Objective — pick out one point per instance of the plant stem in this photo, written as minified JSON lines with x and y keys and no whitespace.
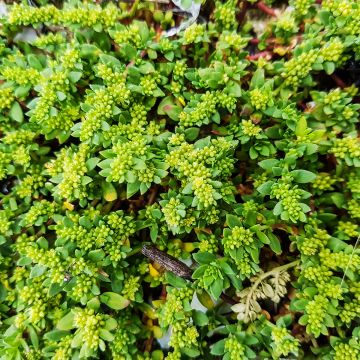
{"x":132,"y":11}
{"x":339,"y":82}
{"x":265,"y":9}
{"x":244,"y":6}
{"x":314,"y":342}
{"x":259,"y":55}
{"x":227,"y":299}
{"x":153,"y":195}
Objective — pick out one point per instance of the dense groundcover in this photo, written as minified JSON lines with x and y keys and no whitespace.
{"x":230,"y":147}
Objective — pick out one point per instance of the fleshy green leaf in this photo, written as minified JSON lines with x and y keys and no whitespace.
{"x":114,"y":301}
{"x":303,"y":176}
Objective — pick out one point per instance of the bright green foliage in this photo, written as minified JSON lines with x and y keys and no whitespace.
{"x":214,"y":275}
{"x":7,"y":98}
{"x":234,"y":348}
{"x":176,"y":313}
{"x":231,"y":146}
{"x":225,"y":14}
{"x":260,"y":99}
{"x":39,"y":212}
{"x":301,"y":6}
{"x":348,"y":228}
{"x":346,"y":351}
{"x":242,"y":245}
{"x":299,"y":67}
{"x":193,"y":34}
{"x":283,"y":342}
{"x":285,"y":26}
{"x":236,"y":345}
{"x":289,"y":196}
{"x":70,"y":172}
{"x":49,"y":40}
{"x":335,"y":110}
{"x":87,"y":325}
{"x":347,"y":149}
{"x":313,"y":244}
{"x":323,"y":182}
{"x":86,"y":15}
{"x":315,"y":314}
{"x":208,"y":243}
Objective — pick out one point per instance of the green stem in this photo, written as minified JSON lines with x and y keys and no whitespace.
{"x":314,"y":342}
{"x":134,"y":8}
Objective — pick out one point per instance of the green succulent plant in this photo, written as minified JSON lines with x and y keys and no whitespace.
{"x":185,"y":196}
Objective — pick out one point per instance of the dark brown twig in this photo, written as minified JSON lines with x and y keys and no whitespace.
{"x":241,"y":15}
{"x":227,"y":299}
{"x":167,"y":261}
{"x":148,"y":344}
{"x":175,"y":266}
{"x":152,"y":197}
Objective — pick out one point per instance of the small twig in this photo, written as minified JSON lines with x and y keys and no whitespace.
{"x":339,"y":82}
{"x":265,"y":9}
{"x":148,"y":344}
{"x":116,"y":205}
{"x":241,"y":15}
{"x":175,"y":266}
{"x":153,"y":194}
{"x":163,"y":293}
{"x":227,"y":299}
{"x":167,"y":261}
{"x":314,"y":342}
{"x":216,"y":132}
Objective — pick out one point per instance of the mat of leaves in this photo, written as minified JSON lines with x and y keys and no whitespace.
{"x":193,"y":196}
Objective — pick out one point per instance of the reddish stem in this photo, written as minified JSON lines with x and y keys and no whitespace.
{"x":163,"y":293}
{"x":265,"y":9}
{"x":339,"y":82}
{"x":215,"y":132}
{"x":132,"y":62}
{"x":302,"y":105}
{"x":153,"y":194}
{"x":259,"y":55}
{"x":242,"y":13}
{"x":148,"y":344}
